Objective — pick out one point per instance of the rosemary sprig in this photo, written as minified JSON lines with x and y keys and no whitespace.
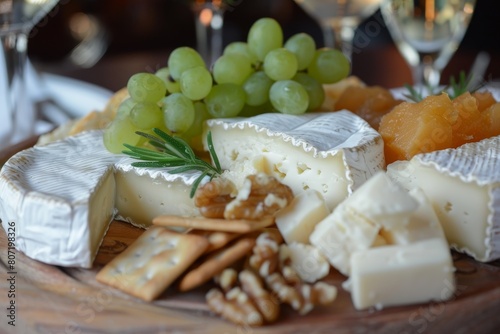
{"x":456,"y":88}
{"x":174,"y":152}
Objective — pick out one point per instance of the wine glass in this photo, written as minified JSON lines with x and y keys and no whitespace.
{"x":209,"y":20}
{"x":427,"y":33}
{"x":339,"y":19}
{"x":17,"y":18}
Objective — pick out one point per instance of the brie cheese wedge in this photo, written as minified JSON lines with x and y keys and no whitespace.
{"x":332,"y":153}
{"x":463,"y":185}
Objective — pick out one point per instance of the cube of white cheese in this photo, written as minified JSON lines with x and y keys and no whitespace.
{"x":463,"y":185}
{"x":402,"y":274}
{"x":332,"y":153}
{"x":421,"y":224}
{"x":297,"y":221}
{"x":356,"y":222}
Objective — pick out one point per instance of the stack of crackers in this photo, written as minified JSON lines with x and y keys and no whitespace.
{"x":161,"y":256}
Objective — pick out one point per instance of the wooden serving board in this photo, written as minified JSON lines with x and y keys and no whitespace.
{"x":52,"y":299}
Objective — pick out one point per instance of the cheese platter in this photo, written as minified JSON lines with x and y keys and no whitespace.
{"x":183,"y":207}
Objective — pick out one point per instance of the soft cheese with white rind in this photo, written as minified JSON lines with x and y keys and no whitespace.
{"x":402,"y":274}
{"x":145,"y":193}
{"x":61,"y":199}
{"x":332,"y":153}
{"x":463,"y":185}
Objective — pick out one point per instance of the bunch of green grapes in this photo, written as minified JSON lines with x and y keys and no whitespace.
{"x":263,"y":74}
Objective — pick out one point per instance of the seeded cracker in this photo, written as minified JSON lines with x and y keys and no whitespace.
{"x":149,"y":265}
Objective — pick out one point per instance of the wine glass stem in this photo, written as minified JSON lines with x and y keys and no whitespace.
{"x":17,"y":117}
{"x":425,"y":73}
{"x":340,"y":36}
{"x":209,"y":23}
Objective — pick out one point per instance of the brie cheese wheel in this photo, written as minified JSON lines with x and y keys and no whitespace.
{"x":402,"y":274}
{"x":463,"y":185}
{"x":332,"y":153}
{"x":62,"y":197}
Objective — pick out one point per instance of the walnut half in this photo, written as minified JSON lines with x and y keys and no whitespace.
{"x":260,"y":196}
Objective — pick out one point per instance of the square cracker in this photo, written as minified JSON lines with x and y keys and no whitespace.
{"x":152,"y":262}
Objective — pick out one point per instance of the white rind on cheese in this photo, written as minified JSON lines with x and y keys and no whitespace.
{"x":333,"y":153}
{"x":402,"y":274}
{"x":62,"y":197}
{"x":463,"y":185}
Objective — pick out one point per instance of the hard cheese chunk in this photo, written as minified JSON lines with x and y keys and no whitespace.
{"x":356,"y":222}
{"x":61,"y":198}
{"x":297,"y":221}
{"x":463,"y":186}
{"x":402,"y":274}
{"x":143,"y":194}
{"x":332,"y":153}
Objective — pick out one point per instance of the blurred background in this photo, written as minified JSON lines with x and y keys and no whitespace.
{"x":105,"y":41}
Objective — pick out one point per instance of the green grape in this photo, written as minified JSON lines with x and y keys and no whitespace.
{"x":313,"y":88}
{"x":280,"y":64}
{"x":146,"y":87}
{"x":120,"y":131}
{"x":231,"y":68}
{"x":125,"y":107}
{"x":240,"y":48}
{"x":225,"y":100}
{"x":172,"y":85}
{"x":193,"y":134}
{"x":303,"y":47}
{"x":264,"y":35}
{"x":196,"y":83}
{"x":289,"y":97}
{"x":181,"y":59}
{"x":146,"y":115}
{"x":178,"y":112}
{"x":329,"y":66}
{"x":257,"y":88}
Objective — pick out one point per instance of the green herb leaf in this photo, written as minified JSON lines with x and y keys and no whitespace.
{"x":456,"y":88}
{"x":174,"y":152}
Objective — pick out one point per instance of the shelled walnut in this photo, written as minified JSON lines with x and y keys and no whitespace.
{"x":268,"y":282}
{"x":260,"y":196}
